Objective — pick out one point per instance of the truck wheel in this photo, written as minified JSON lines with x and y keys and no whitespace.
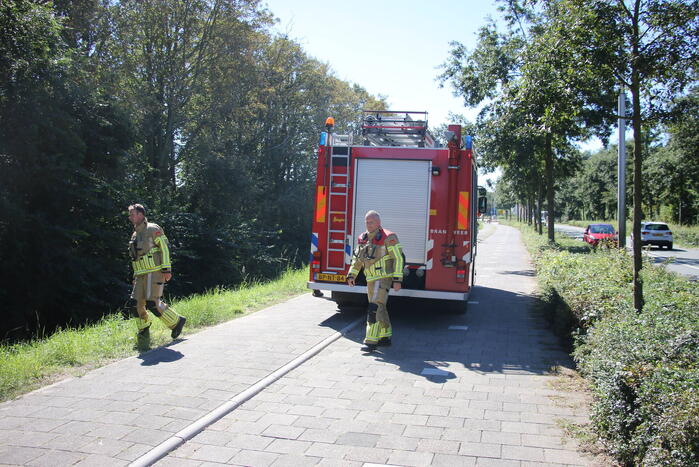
{"x":669,"y":247}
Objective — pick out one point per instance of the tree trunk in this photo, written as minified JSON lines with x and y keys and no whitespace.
{"x":539,"y":203}
{"x":637,"y":171}
{"x":550,"y":189}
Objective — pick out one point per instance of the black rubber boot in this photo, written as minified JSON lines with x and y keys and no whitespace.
{"x":368,"y":347}
{"x":384,"y":342}
{"x":178,"y":327}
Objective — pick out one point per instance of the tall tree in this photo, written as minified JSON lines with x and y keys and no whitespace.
{"x":161,"y":50}
{"x":650,"y":47}
{"x":191,"y":107}
{"x":680,"y":166}
{"x":536,"y":86}
{"x":61,"y":144}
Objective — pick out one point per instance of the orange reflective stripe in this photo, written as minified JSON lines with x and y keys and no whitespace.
{"x":463,"y":210}
{"x":321,"y":203}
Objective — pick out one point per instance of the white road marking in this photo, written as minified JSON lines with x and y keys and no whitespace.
{"x":458,"y":328}
{"x":473,"y":302}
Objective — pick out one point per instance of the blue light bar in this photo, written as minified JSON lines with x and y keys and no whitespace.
{"x":467,"y":144}
{"x":323,"y":138}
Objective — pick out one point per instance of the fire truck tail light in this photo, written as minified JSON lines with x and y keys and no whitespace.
{"x":315,"y":263}
{"x":460,"y":271}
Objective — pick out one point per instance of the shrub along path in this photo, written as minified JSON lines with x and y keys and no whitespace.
{"x":643,"y":367}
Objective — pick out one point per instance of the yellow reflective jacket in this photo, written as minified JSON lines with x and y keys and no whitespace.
{"x":148,"y":249}
{"x":380,"y":255}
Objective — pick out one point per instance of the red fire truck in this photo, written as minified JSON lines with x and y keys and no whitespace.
{"x":425,"y":193}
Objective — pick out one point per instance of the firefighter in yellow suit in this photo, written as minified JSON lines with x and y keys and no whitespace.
{"x":379,"y":253}
{"x":150,"y":258}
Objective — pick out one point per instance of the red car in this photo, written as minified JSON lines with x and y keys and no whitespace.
{"x":600,"y":233}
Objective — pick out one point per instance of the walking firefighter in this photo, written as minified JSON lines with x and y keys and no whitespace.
{"x":150,"y":258}
{"x":379,"y":253}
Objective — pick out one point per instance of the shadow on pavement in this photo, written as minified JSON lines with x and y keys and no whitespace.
{"x":160,"y":355}
{"x":526,"y":272}
{"x":343,"y":317}
{"x":506,"y":334}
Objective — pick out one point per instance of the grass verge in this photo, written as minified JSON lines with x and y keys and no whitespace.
{"x":72,"y":352}
{"x":682,"y":235}
{"x":642,"y":368}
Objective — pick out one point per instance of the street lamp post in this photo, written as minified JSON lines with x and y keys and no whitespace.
{"x":621,"y":170}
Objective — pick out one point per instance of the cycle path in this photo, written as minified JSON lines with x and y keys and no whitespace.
{"x":453,"y":390}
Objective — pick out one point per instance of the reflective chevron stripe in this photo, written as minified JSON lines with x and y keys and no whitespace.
{"x":161,"y":241}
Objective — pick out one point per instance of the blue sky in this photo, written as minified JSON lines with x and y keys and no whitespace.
{"x":391,"y":48}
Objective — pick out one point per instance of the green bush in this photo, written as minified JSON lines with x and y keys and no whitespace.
{"x":643,"y":368}
{"x":585,"y":286}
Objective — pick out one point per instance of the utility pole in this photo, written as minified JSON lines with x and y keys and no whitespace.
{"x":621,"y":169}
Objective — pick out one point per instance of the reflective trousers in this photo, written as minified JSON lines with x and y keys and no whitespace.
{"x":148,"y":293}
{"x":378,"y":324}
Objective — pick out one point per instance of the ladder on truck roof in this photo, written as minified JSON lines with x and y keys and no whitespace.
{"x":338,"y":204}
{"x":394,"y":128}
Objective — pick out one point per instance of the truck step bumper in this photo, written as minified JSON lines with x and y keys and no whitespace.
{"x":361,"y":289}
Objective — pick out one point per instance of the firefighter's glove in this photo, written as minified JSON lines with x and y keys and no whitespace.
{"x":371,"y":313}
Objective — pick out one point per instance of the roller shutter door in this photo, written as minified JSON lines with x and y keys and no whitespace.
{"x":400,"y":191}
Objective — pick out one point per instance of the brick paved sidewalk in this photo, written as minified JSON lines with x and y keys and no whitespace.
{"x":117,"y":413}
{"x":453,"y":390}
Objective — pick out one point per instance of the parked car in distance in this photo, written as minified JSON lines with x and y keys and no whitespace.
{"x":656,"y":233}
{"x":596,"y":234}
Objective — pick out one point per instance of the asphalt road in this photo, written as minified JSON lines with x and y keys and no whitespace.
{"x":683,"y":261}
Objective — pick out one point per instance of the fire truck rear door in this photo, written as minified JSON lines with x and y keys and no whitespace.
{"x":400,"y":191}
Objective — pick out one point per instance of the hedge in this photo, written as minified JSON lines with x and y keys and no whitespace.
{"x":643,"y":368}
